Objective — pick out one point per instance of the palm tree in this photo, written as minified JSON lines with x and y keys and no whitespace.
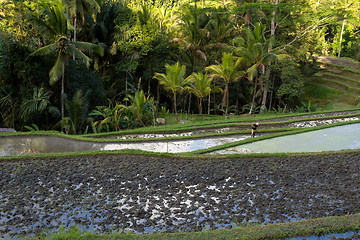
{"x":228,"y":71}
{"x":174,"y":80}
{"x":191,"y":34}
{"x":63,"y":48}
{"x":112,"y":117}
{"x":141,"y":107}
{"x":200,"y":86}
{"x":51,"y":20}
{"x":39,"y":102}
{"x":164,"y":15}
{"x":77,"y":110}
{"x":255,"y":52}
{"x":79,"y":8}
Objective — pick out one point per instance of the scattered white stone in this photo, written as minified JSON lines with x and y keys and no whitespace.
{"x":78,"y":186}
{"x":250,"y":201}
{"x":213,"y":188}
{"x":155,"y":214}
{"x":187,"y":202}
{"x":216,"y":200}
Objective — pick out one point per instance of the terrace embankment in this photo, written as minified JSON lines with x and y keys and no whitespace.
{"x":146,"y":193}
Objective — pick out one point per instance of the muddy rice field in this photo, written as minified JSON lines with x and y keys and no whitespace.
{"x":144,"y":194}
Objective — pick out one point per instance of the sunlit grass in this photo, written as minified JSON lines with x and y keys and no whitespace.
{"x":317,"y":227}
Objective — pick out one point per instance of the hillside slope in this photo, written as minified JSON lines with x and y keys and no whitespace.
{"x":336,"y":86}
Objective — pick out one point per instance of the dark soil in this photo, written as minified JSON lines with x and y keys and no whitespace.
{"x":143,"y":194}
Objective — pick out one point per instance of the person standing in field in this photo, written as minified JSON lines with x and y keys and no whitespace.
{"x":254,"y":129}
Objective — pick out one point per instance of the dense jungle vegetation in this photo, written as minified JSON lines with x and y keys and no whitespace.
{"x":105,"y":65}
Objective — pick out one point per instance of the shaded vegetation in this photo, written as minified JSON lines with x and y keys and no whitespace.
{"x":124,"y":44}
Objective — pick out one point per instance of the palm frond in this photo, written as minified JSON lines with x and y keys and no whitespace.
{"x":89,"y":47}
{"x":45,"y":50}
{"x":56,"y":71}
{"x":80,"y":55}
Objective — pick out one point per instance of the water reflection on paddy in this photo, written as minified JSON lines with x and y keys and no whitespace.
{"x":53,"y":144}
{"x":329,"y":139}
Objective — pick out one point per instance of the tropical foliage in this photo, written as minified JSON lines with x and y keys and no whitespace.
{"x":133,"y":52}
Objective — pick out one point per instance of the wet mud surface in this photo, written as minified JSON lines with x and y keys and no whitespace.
{"x":146,"y":194}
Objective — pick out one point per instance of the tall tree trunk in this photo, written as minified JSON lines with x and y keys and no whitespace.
{"x":237,"y":104}
{"x":266,"y":88}
{"x":254,"y":95}
{"x":341,"y":34}
{"x":267,"y":71}
{"x":209,"y":103}
{"x":75,"y":22}
{"x":214,"y":104}
{"x":224,"y":100}
{"x":175,"y":108}
{"x":227,"y":100}
{"x":62,"y":90}
{"x":189,"y":107}
{"x":272,"y":92}
{"x":200,"y":107}
{"x":158,"y":92}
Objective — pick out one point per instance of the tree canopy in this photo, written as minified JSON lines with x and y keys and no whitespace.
{"x":122,"y":49}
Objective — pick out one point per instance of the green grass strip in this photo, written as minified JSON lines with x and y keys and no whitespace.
{"x":343,"y":66}
{"x":317,"y":227}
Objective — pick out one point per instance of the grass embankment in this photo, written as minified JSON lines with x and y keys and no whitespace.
{"x":317,"y":227}
{"x":336,"y":86}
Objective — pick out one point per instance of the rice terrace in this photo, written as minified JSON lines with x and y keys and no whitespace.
{"x":190,"y":119}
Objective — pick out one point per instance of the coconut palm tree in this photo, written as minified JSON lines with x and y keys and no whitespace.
{"x":62,"y":48}
{"x":200,"y":86}
{"x":255,"y":52}
{"x":228,"y":70}
{"x":51,"y":20}
{"x":191,"y":34}
{"x":173,"y":80}
{"x":79,"y":8}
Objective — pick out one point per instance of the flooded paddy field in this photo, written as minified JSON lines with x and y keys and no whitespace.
{"x":329,"y":139}
{"x":265,"y":125}
{"x":145,"y":194}
{"x":18,"y":145}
